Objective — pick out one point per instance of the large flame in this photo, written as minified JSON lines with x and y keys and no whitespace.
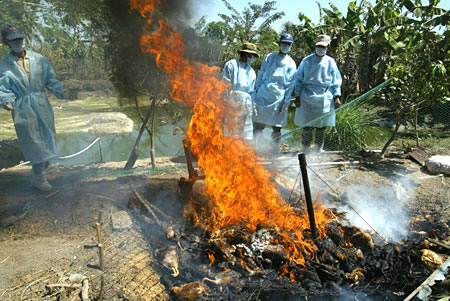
{"x":240,"y":189}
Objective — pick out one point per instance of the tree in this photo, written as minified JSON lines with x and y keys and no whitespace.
{"x":24,"y":15}
{"x":421,"y":74}
{"x":252,"y":25}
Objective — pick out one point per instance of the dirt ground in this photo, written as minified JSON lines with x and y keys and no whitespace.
{"x":50,"y":238}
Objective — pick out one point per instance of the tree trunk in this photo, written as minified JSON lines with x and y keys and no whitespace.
{"x":394,"y":134}
{"x":152,"y":138}
{"x":416,"y":117}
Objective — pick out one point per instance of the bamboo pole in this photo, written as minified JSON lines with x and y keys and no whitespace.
{"x":443,"y":267}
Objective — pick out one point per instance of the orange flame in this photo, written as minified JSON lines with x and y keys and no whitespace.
{"x":240,"y":189}
{"x":211,"y":257}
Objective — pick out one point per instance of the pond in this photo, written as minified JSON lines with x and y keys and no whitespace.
{"x":169,"y":120}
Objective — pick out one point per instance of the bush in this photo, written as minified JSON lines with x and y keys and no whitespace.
{"x":354,"y":130}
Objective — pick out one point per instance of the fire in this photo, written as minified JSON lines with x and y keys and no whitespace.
{"x":240,"y":189}
{"x":211,"y":257}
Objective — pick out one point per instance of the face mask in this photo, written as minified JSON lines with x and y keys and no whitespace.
{"x":251,"y":60}
{"x":17,"y":46}
{"x":321,"y":51}
{"x":284,"y":48}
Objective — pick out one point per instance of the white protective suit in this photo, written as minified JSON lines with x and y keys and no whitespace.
{"x":274,"y":88}
{"x":317,"y":82}
{"x":242,"y":78}
{"x":33,"y":115}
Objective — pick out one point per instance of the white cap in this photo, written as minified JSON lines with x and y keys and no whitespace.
{"x":323,"y":40}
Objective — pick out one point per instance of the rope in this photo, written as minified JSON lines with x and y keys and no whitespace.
{"x":362,"y":98}
{"x":69,"y":156}
{"x":81,"y":151}
{"x":346,"y":203}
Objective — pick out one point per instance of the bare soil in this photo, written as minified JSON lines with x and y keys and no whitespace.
{"x":47,"y":237}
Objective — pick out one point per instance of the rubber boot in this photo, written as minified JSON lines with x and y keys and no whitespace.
{"x":306,"y":139}
{"x":38,"y":177}
{"x":258,"y":129}
{"x":319,"y":140}
{"x":276,"y":139}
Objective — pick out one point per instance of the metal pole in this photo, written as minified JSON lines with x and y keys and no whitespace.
{"x":309,"y":204}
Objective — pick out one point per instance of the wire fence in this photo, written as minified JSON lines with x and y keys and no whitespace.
{"x":364,"y":124}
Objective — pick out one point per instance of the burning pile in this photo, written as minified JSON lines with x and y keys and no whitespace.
{"x":246,"y":226}
{"x":240,"y":189}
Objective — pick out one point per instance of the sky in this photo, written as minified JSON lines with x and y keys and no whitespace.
{"x":210,"y":9}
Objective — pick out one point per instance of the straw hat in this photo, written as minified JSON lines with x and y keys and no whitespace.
{"x":249,"y":48}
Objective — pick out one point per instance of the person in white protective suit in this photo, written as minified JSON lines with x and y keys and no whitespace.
{"x":317,"y":90}
{"x":274,"y":90}
{"x":24,"y":75}
{"x":242,"y":78}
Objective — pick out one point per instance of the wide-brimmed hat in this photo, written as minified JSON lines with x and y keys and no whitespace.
{"x":323,"y":40}
{"x":249,"y":48}
{"x":11,"y":32}
{"x":287,"y":37}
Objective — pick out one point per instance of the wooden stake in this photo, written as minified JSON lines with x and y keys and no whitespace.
{"x":100,"y":247}
{"x":102,"y":289}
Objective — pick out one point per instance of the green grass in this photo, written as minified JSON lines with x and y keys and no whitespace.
{"x":354,"y":130}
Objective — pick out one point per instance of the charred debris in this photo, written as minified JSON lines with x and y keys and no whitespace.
{"x":238,"y":263}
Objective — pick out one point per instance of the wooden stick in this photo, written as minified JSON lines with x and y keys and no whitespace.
{"x":430,"y":279}
{"x":102,"y":289}
{"x":159,"y":211}
{"x":100,"y":247}
{"x":147,"y":207}
{"x":69,"y":285}
{"x":441,"y":244}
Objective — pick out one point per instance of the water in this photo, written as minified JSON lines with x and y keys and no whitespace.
{"x":119,"y":147}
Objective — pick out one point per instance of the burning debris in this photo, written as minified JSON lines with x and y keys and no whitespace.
{"x":238,"y":262}
{"x":236,"y":218}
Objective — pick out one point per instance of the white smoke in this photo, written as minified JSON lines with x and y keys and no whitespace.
{"x":381,"y":208}
{"x":372,"y":205}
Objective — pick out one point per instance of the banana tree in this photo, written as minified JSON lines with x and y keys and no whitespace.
{"x":420,"y":75}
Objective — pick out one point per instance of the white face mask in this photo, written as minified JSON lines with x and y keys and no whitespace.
{"x":321,"y":51}
{"x":284,"y":48}
{"x":251,"y":60}
{"x":17,"y":46}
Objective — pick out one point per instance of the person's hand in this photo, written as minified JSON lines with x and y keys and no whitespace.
{"x":72,"y":94}
{"x":297,"y":101}
{"x":284,"y":107}
{"x":337,"y":102}
{"x":8,"y":106}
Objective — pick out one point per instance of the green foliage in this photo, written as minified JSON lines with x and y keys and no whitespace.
{"x":240,"y":27}
{"x":354,"y":129}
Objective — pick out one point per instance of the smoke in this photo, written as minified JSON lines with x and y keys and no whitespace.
{"x":181,"y":12}
{"x":133,"y":71}
{"x":381,"y":208}
{"x":371,"y":202}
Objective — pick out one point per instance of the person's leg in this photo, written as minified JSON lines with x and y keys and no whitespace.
{"x":319,"y":139}
{"x":276,"y":133}
{"x":258,"y":129}
{"x":38,"y":176}
{"x":306,"y":138}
